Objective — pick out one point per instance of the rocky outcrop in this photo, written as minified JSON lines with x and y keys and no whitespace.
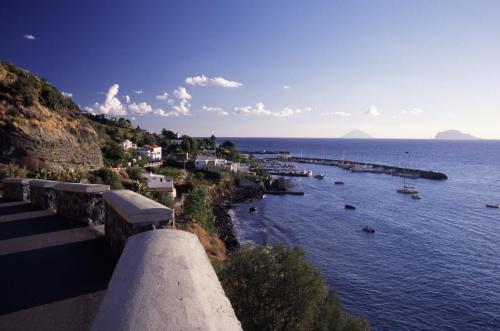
{"x":223,"y":198}
{"x":41,"y":128}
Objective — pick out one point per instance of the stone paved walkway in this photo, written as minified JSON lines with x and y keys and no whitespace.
{"x":53,"y":273}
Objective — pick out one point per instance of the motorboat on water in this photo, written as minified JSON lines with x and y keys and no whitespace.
{"x":368,"y":229}
{"x":350,"y":207}
{"x":320,"y":176}
{"x":416,"y":196}
{"x":490,"y":205}
{"x":253,"y":209}
{"x":338,"y":182}
{"x":308,"y":173}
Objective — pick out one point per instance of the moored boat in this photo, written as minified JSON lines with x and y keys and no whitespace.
{"x":320,"y":176}
{"x":351,"y":207}
{"x":490,"y":205}
{"x":368,"y":229}
{"x":338,"y":182}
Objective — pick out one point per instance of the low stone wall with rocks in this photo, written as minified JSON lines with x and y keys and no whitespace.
{"x":43,"y":194}
{"x":164,"y":281}
{"x":128,"y":213}
{"x":81,"y":202}
{"x":16,"y":189}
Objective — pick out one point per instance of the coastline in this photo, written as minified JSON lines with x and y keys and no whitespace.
{"x":222,"y":201}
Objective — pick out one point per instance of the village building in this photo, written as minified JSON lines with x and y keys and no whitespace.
{"x":159,"y":183}
{"x":127,"y":144}
{"x":151,"y":152}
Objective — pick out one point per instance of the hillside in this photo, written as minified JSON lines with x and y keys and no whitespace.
{"x":40,"y":128}
{"x":357,"y":134}
{"x":454,"y":135}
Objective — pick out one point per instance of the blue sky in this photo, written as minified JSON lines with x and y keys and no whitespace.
{"x":396,"y":69}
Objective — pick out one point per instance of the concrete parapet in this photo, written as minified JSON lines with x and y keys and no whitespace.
{"x":81,"y":202}
{"x":164,"y":281}
{"x":17,"y":189}
{"x":128,"y":213}
{"x":42,"y":193}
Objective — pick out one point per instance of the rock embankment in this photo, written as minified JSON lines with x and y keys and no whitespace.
{"x":41,"y":128}
{"x":223,"y":198}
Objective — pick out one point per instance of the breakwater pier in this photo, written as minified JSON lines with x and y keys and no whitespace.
{"x":355,"y":166}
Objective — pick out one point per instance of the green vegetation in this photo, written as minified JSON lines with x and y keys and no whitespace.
{"x":13,"y":170}
{"x":197,"y":208}
{"x":109,"y":177}
{"x":276,"y":288}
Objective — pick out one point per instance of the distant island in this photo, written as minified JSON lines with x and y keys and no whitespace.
{"x":455,"y":135}
{"x":357,"y":134}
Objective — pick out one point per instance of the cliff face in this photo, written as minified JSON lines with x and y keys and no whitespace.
{"x":40,"y":128}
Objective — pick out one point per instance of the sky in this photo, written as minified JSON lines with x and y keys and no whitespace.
{"x":395,"y":69}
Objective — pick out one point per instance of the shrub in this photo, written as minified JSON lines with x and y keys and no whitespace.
{"x":164,"y":198}
{"x":135,"y":173}
{"x":276,"y":288}
{"x":198,"y":209}
{"x":109,"y":177}
{"x":15,"y":170}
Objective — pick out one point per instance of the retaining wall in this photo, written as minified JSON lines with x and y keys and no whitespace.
{"x":43,"y":194}
{"x":16,"y":189}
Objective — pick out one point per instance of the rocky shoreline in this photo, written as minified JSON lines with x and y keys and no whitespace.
{"x":223,"y":200}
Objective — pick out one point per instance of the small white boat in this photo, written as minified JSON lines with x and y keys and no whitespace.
{"x":320,"y":176}
{"x":408,"y":190}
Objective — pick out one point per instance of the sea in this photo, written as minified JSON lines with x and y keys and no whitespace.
{"x":433,"y":264}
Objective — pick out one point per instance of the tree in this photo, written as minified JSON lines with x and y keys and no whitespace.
{"x":229,"y":145}
{"x":113,"y":152}
{"x":273,"y":288}
{"x":109,"y":177}
{"x":189,"y":145}
{"x":198,"y":209}
{"x":168,"y":134}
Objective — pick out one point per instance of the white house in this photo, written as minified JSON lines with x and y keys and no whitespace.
{"x":160,"y":183}
{"x":152,"y":152}
{"x":209,"y":162}
{"x":127,"y":144}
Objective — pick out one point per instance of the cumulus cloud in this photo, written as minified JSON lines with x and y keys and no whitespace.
{"x":111,"y":105}
{"x":372,"y":111}
{"x":67,"y":94}
{"x":182,"y":93}
{"x":161,"y":112}
{"x":215,"y":81}
{"x":217,"y":110}
{"x":140,"y":108}
{"x":260,"y":110}
{"x":414,"y":112}
{"x":287,"y":87}
{"x":183,"y":107}
{"x":29,"y":37}
{"x":163,"y":96}
{"x":139,"y":92}
{"x":127,"y":99}
{"x":342,"y":114}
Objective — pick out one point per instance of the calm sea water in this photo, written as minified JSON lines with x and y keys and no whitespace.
{"x":433,"y":264}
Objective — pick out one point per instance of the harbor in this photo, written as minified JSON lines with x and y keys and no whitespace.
{"x":355,"y":166}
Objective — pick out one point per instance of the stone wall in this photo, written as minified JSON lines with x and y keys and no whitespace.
{"x":164,"y":281}
{"x":128,"y":213}
{"x":81,"y":202}
{"x":43,"y":194}
{"x":17,"y":189}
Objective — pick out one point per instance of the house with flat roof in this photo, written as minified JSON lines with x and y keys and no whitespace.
{"x":151,"y":152}
{"x":160,"y":183}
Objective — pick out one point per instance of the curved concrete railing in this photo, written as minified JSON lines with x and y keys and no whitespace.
{"x":42,"y":193}
{"x":17,"y":189}
{"x":81,"y":202}
{"x":164,"y":281}
{"x":128,"y":213}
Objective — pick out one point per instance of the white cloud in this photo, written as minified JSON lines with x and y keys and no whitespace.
{"x":261,"y":110}
{"x":342,"y":114}
{"x":182,"y":93}
{"x":372,"y":111}
{"x":139,"y":92}
{"x":183,"y":107}
{"x":140,"y":108}
{"x":217,"y":110}
{"x":29,"y":37}
{"x":163,"y":96}
{"x":111,"y":105}
{"x":161,"y":112}
{"x":127,"y":99}
{"x":414,"y":112}
{"x":287,"y":87}
{"x":216,"y":81}
{"x":67,"y":94}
